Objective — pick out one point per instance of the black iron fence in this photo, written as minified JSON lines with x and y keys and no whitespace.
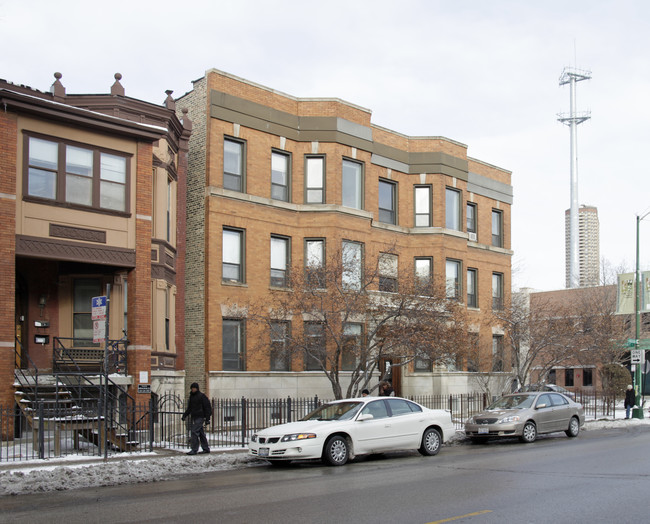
{"x":50,"y":429}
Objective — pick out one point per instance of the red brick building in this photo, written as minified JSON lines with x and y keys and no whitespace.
{"x":90,"y":186}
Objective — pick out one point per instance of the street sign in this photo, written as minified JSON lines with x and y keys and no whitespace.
{"x":637,"y":356}
{"x":98,"y":308}
{"x":99,"y":330}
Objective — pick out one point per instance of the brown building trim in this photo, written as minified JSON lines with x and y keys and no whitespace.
{"x":78,"y":233}
{"x":35,"y":247}
{"x":75,"y":116}
{"x":331,"y":129}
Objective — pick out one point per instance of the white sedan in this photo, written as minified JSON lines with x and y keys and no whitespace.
{"x":338,"y":431}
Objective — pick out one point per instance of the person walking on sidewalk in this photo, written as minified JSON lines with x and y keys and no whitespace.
{"x":630,"y":400}
{"x":199,"y":411}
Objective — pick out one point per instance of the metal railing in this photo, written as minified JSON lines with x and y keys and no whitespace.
{"x":157,"y":424}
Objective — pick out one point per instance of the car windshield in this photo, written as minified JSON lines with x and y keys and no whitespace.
{"x":335,"y":411}
{"x":513,"y":402}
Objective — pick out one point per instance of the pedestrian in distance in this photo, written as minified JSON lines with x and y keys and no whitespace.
{"x":199,"y":410}
{"x":386,"y":390}
{"x":365,"y":392}
{"x":630,"y":400}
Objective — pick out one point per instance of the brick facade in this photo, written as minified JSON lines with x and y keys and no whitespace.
{"x":222,"y":105}
{"x":53,"y":245}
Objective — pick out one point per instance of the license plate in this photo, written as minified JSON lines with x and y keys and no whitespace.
{"x":483,"y":431}
{"x":263,"y":452}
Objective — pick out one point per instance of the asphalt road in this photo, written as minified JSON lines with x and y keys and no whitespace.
{"x":602,"y":476}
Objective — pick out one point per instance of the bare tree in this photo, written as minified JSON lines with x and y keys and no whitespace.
{"x":564,"y":328}
{"x":538,"y":333}
{"x":600,"y":332}
{"x":609,"y":271}
{"x":346,"y":318}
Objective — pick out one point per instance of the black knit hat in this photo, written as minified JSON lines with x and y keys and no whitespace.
{"x":194,"y":385}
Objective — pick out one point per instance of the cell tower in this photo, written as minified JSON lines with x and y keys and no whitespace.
{"x":572,"y":77}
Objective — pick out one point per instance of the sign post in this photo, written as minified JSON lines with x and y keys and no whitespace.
{"x":100,"y":312}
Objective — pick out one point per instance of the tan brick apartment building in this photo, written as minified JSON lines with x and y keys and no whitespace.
{"x":272,"y":176}
{"x":89,"y":192}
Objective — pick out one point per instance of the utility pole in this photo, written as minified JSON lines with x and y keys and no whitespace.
{"x":638,"y":293}
{"x":571,"y":77}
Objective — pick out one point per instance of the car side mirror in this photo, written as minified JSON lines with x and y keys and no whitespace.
{"x":365,"y":416}
{"x":540,"y":406}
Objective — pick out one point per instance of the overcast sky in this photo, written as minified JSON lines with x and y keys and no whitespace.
{"x":484,"y":73}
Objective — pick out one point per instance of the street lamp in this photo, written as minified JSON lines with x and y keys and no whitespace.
{"x":638,"y":412}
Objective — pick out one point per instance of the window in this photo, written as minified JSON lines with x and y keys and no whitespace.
{"x":280,"y":357}
{"x":351,"y":346}
{"x":452,"y":277}
{"x":167,"y":319}
{"x":233,"y":256}
{"x":84,"y":289}
{"x":314,"y":346}
{"x":315,"y":262}
{"x":79,"y":175}
{"x":280,"y":163}
{"x":233,"y":345}
{"x":568,"y":377}
{"x":497,"y":228}
{"x":400,"y":407}
{"x":552,"y":376}
{"x":452,"y":209}
{"x":558,"y":400}
{"x":125,"y":292}
{"x":422,"y":365}
{"x":472,"y":299}
{"x":423,"y":274}
{"x":279,"y":261}
{"x":315,"y":179}
{"x":168,"y":211}
{"x":388,"y":272}
{"x":387,"y":202}
{"x":587,"y":377}
{"x":473,"y":356}
{"x":497,"y":353}
{"x":352,"y":184}
{"x":422,"y":206}
{"x":233,"y":165}
{"x":352,"y":257}
{"x":377,"y":409}
{"x":497,"y":291}
{"x":471,"y":219}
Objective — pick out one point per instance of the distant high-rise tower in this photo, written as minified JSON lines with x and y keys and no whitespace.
{"x":571,"y":77}
{"x":588,"y":247}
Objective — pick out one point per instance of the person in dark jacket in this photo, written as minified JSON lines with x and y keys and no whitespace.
{"x":630,"y":400}
{"x":199,"y":411}
{"x":385,"y":389}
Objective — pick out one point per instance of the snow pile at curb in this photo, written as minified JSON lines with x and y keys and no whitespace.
{"x":126,"y":471}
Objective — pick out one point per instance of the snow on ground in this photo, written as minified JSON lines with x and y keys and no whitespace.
{"x":81,"y":472}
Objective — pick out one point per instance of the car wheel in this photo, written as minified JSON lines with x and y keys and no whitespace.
{"x":529,"y":434}
{"x":336,"y":451}
{"x":430,"y":442}
{"x":574,"y":428}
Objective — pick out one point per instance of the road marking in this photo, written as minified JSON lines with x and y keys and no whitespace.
{"x":461,"y":516}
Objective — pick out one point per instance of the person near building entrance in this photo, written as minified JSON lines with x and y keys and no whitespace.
{"x":199,"y":411}
{"x":630,"y":400}
{"x":386,"y":389}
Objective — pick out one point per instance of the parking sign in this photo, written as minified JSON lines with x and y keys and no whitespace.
{"x":98,"y":308}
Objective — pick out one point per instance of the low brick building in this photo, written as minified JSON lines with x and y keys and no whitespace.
{"x":272,"y":177}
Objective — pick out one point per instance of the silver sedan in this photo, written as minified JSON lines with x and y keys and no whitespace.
{"x":526,"y":415}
